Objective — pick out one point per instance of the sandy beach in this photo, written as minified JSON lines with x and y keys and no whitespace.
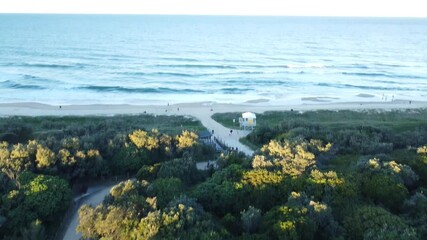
{"x":197,"y":109}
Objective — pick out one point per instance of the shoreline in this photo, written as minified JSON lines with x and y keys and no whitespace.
{"x":195,"y":109}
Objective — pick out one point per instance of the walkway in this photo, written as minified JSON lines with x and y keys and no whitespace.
{"x":220,"y":132}
{"x":206,"y":165}
{"x":93,"y":198}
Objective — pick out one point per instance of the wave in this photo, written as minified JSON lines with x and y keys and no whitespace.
{"x":14,"y":85}
{"x":180,"y":59}
{"x":306,"y":65}
{"x":235,"y":90}
{"x":196,"y":66}
{"x":233,"y":70}
{"x":292,"y":65}
{"x":49,"y":65}
{"x":40,"y":80}
{"x":137,"y":90}
{"x":364,"y":87}
{"x":254,"y":83}
{"x":387,"y":65}
{"x":251,"y":72}
{"x":180,"y":74}
{"x":171,"y":74}
{"x":363,"y":74}
{"x":357,"y":66}
{"x":104,"y":55}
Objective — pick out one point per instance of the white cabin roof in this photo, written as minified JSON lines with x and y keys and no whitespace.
{"x":248,"y":115}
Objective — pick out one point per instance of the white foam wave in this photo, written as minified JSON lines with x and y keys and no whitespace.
{"x":306,"y":65}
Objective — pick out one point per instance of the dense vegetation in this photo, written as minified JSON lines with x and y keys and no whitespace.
{"x":315,"y":175}
{"x":43,"y":159}
{"x":367,"y":170}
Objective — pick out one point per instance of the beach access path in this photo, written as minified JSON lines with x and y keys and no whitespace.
{"x":92,"y":198}
{"x":223,"y":134}
{"x":220,"y":132}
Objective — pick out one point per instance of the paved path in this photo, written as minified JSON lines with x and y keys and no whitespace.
{"x":220,"y":132}
{"x":206,"y":164}
{"x":93,"y":199}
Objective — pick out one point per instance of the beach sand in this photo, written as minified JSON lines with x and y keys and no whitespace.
{"x":319,"y":99}
{"x":197,"y":109}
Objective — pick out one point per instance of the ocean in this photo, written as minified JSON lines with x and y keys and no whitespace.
{"x":154,"y":59}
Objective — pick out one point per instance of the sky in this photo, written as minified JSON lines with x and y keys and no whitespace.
{"x":364,"y":8}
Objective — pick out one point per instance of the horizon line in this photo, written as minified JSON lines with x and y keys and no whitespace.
{"x":207,"y":15}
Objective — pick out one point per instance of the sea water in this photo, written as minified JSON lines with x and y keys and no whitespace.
{"x":148,"y":59}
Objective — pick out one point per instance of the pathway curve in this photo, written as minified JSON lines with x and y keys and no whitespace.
{"x":92,"y":199}
{"x":222,"y":133}
{"x":204,"y":115}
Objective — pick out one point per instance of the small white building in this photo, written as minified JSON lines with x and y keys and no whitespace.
{"x":248,"y":120}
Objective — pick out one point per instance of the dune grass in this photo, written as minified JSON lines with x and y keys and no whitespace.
{"x":33,"y":127}
{"x":398,"y":120}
